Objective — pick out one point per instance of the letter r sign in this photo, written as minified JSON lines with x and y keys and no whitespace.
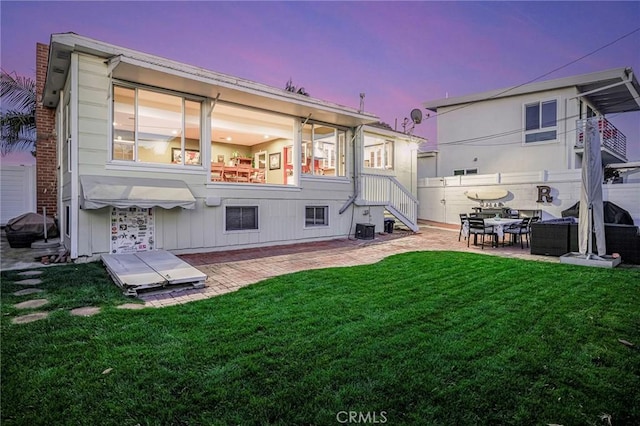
{"x":544,"y":194}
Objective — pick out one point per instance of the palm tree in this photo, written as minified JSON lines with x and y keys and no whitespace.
{"x":18,"y":115}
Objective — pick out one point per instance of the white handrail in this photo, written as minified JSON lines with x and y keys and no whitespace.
{"x":387,"y":190}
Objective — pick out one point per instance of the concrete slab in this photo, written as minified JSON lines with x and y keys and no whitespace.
{"x":29,"y":281}
{"x":85,"y":311}
{"x":28,"y":291}
{"x":24,"y":319}
{"x":593,"y":261}
{"x":31,"y":304}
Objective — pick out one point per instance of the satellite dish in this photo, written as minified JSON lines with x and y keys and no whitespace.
{"x":416,"y":116}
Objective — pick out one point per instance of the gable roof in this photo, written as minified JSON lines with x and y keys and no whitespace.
{"x":139,"y":67}
{"x":611,"y":91}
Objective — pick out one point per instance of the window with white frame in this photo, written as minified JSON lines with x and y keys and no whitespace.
{"x":378,"y":152}
{"x":155,"y":127}
{"x":323,"y":150}
{"x":462,"y":172}
{"x":241,"y":218}
{"x":541,"y":120}
{"x":316,"y":216}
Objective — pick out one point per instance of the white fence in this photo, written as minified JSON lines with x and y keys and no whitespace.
{"x":18,"y":191}
{"x":442,"y":199}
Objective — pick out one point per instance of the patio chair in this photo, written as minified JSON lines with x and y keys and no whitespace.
{"x":477,"y":227}
{"x":518,"y":230}
{"x":463,"y":218}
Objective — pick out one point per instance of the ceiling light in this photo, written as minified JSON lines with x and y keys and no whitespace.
{"x":228,"y":138}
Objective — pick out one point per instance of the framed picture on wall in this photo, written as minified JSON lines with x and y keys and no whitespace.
{"x":274,"y":161}
{"x":191,"y":156}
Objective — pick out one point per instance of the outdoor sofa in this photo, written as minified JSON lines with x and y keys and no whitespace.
{"x":559,"y":236}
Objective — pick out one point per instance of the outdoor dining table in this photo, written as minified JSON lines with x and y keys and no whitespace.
{"x":499,"y":224}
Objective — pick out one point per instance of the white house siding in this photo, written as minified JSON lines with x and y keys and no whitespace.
{"x":443,"y":199}
{"x":501,"y":121}
{"x":281,"y":208}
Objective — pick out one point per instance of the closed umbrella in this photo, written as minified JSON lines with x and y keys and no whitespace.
{"x":591,"y":206}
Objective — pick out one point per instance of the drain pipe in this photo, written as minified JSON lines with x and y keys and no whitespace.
{"x":356,"y":187}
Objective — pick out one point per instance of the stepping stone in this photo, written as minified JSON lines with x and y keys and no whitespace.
{"x":85,"y":311}
{"x":31,"y":304}
{"x":23,"y":319}
{"x":27,"y":291}
{"x":29,"y":281}
{"x":30,"y":273}
{"x":131,"y":306}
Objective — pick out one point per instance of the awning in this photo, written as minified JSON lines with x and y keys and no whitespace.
{"x":123,"y":192}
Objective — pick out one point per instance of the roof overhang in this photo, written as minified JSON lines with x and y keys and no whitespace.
{"x":138,"y":67}
{"x":124,"y":192}
{"x":393,"y":134}
{"x":611,"y":91}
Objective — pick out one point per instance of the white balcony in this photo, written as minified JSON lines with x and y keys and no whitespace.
{"x":613,"y":141}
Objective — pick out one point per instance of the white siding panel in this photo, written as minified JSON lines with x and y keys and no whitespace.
{"x":18,"y":191}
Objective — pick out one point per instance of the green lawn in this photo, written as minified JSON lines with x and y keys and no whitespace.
{"x":420,"y":338}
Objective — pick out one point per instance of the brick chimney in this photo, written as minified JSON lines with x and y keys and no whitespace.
{"x":46,"y":157}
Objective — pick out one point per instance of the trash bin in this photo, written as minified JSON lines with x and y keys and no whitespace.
{"x":388,"y":225}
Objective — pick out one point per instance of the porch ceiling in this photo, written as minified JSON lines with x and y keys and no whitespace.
{"x":613,"y":95}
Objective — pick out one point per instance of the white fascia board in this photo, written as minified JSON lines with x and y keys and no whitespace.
{"x":199,"y":81}
{"x":529,"y":88}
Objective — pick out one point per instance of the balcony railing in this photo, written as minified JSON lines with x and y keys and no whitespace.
{"x":611,"y":138}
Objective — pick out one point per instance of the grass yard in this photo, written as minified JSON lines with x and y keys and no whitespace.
{"x":424,"y":338}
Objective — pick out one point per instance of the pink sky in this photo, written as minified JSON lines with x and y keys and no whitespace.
{"x":400,"y":54}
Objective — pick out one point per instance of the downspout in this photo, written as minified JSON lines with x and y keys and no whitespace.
{"x":356,"y":187}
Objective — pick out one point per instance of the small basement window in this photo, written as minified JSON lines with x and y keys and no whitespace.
{"x":316,"y":216}
{"x":241,"y":218}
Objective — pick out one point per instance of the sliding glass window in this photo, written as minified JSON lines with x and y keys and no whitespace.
{"x":155,"y":127}
{"x":323,"y":150}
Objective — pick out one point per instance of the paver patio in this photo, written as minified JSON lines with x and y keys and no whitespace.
{"x":232,"y":270}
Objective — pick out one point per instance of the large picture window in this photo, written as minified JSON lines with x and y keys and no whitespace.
{"x":378,"y":153}
{"x":247,"y":145}
{"x":155,"y":127}
{"x":323,"y":150}
{"x":541,"y":120}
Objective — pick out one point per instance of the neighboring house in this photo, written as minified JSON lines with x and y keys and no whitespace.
{"x":536,"y":126}
{"x":529,"y":141}
{"x":155,"y":154}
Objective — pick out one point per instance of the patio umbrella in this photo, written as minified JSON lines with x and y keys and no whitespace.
{"x":591,"y":207}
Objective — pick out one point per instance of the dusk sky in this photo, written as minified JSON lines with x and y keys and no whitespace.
{"x":400,"y":54}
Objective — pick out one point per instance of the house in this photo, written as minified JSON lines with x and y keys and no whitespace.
{"x":528,"y":140}
{"x":140,"y":152}
{"x":533,"y":126}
